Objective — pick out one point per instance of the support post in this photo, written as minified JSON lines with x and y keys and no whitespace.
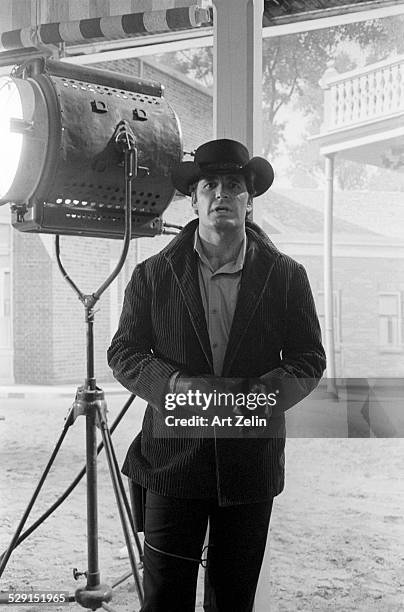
{"x":328,"y":274}
{"x":237,"y":71}
{"x":237,"y":106}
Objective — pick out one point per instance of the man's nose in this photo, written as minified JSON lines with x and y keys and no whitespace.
{"x":221,"y":191}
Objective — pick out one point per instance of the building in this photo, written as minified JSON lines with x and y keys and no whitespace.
{"x":368,"y":271}
{"x":43,"y":332}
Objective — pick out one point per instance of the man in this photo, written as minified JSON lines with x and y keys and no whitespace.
{"x":220,"y":302}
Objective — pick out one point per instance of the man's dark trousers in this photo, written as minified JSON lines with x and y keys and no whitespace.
{"x":237,"y":538}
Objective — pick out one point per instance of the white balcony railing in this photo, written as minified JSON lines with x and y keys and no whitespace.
{"x":362,"y":95}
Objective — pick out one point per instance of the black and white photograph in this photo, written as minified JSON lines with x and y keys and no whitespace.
{"x":202,"y":305}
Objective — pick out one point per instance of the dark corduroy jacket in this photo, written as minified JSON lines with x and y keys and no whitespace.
{"x":163,"y":329}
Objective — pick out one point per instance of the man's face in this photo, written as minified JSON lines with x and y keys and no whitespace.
{"x":222,"y":201}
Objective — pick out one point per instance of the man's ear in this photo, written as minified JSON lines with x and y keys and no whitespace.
{"x":249,"y":204}
{"x":194,"y":202}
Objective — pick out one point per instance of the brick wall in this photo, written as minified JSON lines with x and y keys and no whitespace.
{"x":33,"y":311}
{"x":87,"y":261}
{"x":49,"y":326}
{"x":359,"y":280}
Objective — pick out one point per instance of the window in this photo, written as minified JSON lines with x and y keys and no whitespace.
{"x":390,"y":319}
{"x":336,"y":313}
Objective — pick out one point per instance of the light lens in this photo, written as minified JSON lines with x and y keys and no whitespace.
{"x":10,"y":142}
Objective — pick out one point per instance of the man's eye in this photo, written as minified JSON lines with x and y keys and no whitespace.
{"x":210,"y":185}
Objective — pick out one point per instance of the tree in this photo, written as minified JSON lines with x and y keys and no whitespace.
{"x":194,"y":63}
{"x":293,"y":65}
{"x":307,"y":164}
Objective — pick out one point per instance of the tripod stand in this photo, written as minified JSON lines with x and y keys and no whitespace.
{"x":90,"y":402}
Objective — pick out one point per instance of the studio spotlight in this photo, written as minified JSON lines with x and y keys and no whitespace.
{"x":61,"y":166}
{"x":87,"y":152}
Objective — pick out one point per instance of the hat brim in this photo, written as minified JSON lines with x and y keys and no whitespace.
{"x":187,"y":173}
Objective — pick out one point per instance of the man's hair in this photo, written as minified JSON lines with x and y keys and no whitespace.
{"x":250,"y":182}
{"x":192,"y":189}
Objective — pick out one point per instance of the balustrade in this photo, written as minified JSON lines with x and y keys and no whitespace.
{"x":362,"y":95}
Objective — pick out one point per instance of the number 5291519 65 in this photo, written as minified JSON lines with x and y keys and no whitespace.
{"x":37,"y":597}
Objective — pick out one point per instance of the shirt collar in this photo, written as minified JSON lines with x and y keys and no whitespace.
{"x":232,"y":266}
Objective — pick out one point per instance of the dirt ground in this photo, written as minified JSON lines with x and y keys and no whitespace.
{"x":337,"y":531}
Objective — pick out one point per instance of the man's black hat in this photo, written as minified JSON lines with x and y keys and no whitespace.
{"x":223,"y":157}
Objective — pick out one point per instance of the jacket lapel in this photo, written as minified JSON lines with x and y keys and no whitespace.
{"x":259,"y":262}
{"x":261,"y":256}
{"x":183,"y":261}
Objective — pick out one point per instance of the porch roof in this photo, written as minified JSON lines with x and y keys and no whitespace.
{"x":369,"y":213}
{"x":364,"y":114}
{"x":278,"y":12}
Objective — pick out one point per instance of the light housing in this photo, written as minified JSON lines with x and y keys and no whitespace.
{"x":64,"y":171}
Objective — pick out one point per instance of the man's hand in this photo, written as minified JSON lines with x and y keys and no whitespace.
{"x":284,"y":387}
{"x":215,"y":391}
{"x":256,"y":395}
{"x":207,"y":384}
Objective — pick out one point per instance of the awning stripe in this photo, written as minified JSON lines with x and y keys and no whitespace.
{"x":90,"y":28}
{"x":69,"y":31}
{"x":133,"y":23}
{"x":112,"y":27}
{"x":11,"y":40}
{"x":117,"y":26}
{"x":155,"y":21}
{"x":49,"y":32}
{"x":178,"y":19}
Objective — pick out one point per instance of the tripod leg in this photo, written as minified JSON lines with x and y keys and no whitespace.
{"x":5,"y":557}
{"x":93,"y":574}
{"x":115,"y":477}
{"x":74,"y":483}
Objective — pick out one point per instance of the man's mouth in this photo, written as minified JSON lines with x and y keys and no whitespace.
{"x":221,"y":208}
